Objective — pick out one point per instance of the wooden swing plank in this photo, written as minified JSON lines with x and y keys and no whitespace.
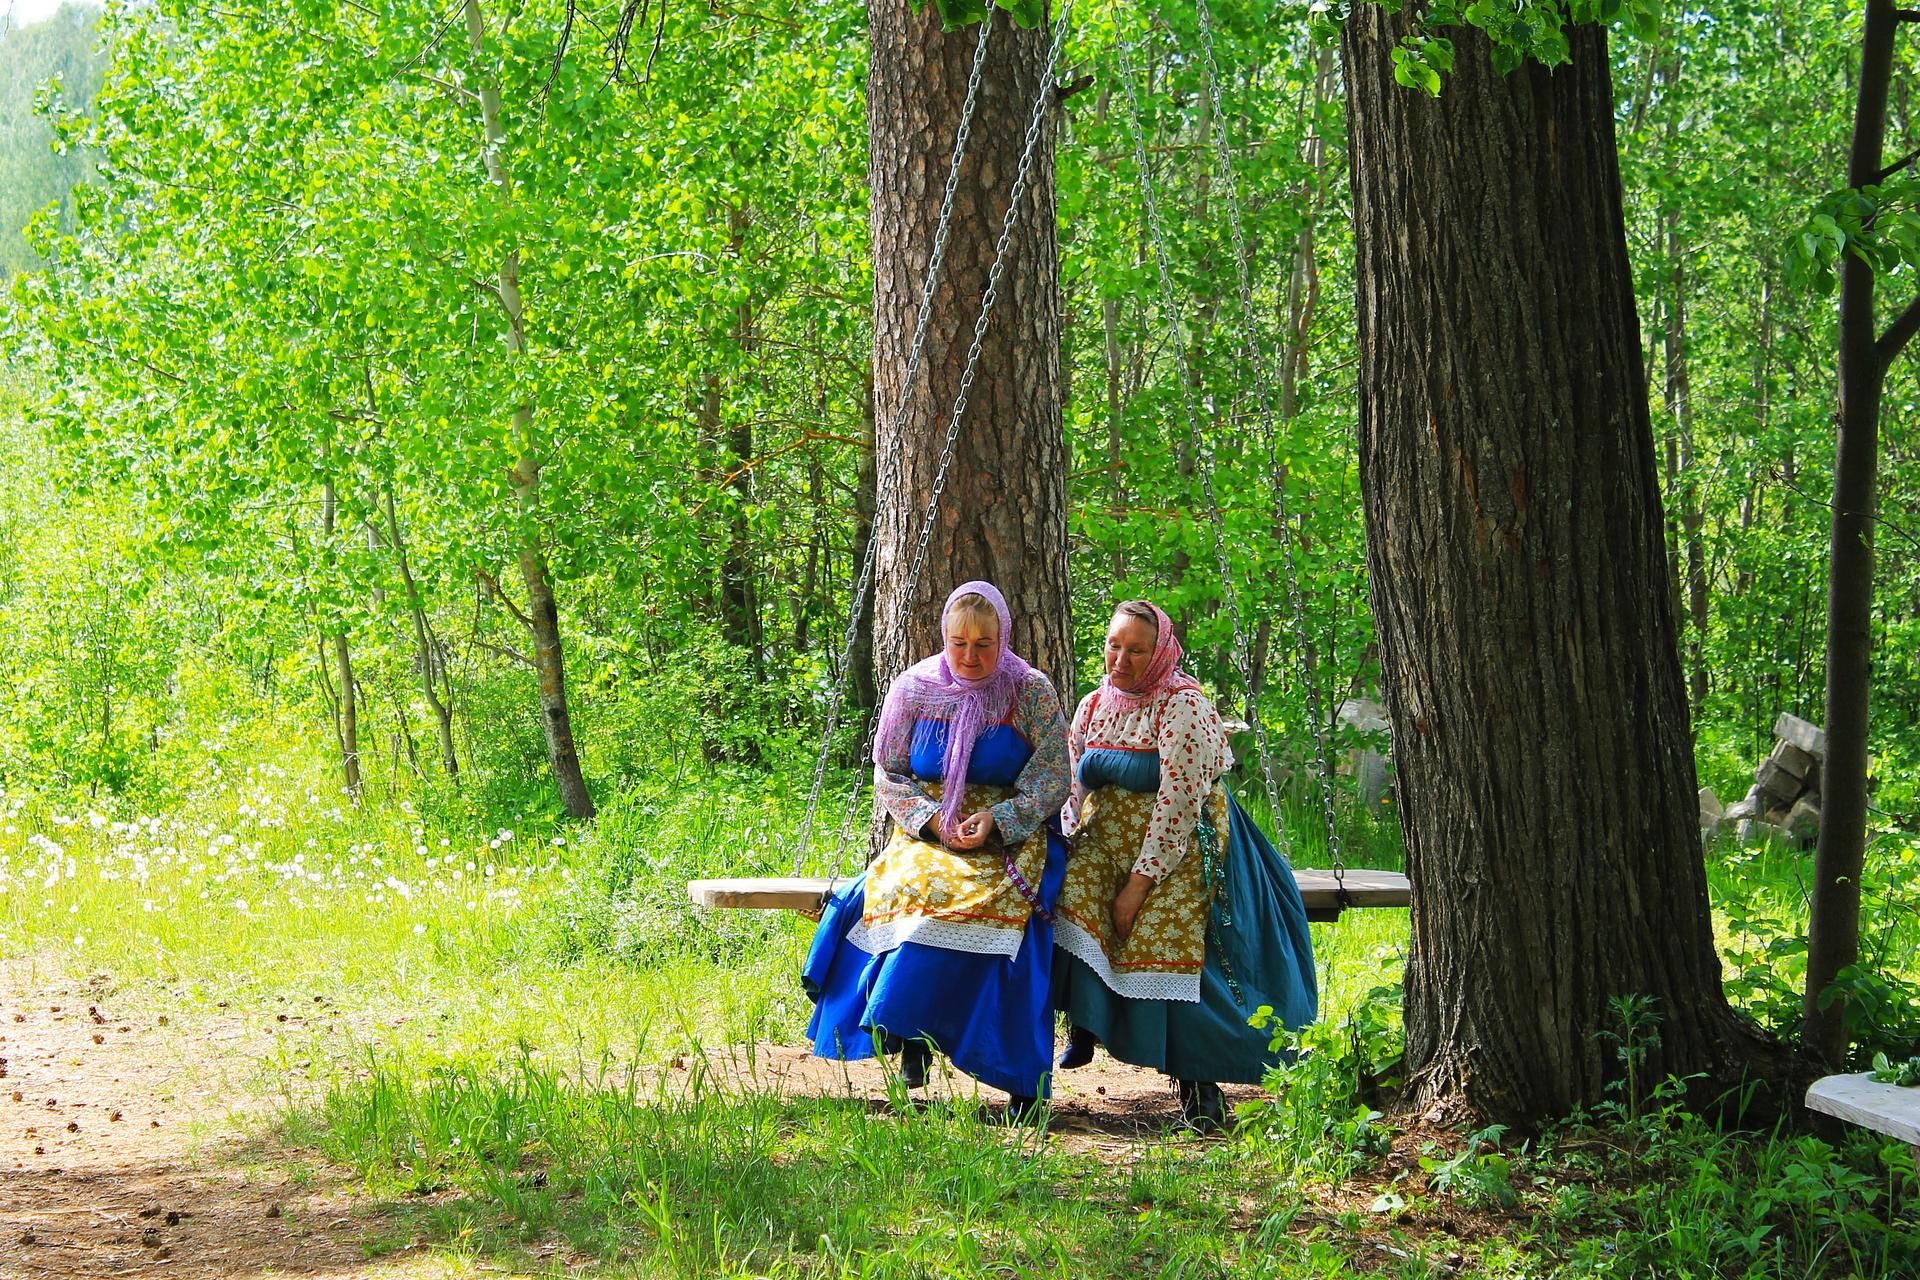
{"x":1891,"y":1109}
{"x":761,"y":893}
{"x":1318,"y":889}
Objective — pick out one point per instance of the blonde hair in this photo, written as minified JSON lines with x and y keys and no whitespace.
{"x":974,"y":608}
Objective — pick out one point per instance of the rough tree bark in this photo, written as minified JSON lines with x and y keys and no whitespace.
{"x":1520,"y":587}
{"x":542,"y":618}
{"x":1003,"y":513}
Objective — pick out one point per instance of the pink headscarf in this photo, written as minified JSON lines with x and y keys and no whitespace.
{"x":971,"y":706}
{"x":1163,"y":672}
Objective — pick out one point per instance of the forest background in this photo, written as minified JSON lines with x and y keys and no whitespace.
{"x":262,"y":547}
{"x":306,"y":314}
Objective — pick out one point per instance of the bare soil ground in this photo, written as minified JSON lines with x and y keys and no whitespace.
{"x":130,"y":1145}
{"x":136,"y":1142}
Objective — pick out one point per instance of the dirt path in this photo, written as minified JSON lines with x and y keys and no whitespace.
{"x":129,"y":1146}
{"x":1106,"y":1105}
{"x":131,"y":1139}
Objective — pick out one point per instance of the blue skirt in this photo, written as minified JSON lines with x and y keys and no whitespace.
{"x":1267,"y":950}
{"x":992,"y":1016}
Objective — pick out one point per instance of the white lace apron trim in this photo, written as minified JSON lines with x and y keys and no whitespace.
{"x":949,"y":935}
{"x":1077,"y":942}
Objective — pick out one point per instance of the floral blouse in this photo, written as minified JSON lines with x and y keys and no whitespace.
{"x":1036,"y":716}
{"x":1185,"y":730}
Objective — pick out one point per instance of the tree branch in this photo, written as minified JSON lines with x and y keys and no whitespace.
{"x":1079,"y":84}
{"x":506,"y":651}
{"x":115,"y":352}
{"x":1897,"y":165}
{"x":1898,"y":334}
{"x":493,"y":585}
{"x":458,"y":91}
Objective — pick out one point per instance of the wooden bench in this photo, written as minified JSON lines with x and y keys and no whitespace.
{"x":1319,"y":889}
{"x":1892,"y":1109}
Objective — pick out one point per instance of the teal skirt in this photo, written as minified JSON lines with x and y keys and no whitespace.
{"x":1259,"y":952}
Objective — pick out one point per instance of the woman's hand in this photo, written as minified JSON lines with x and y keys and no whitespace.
{"x":973,"y":831}
{"x":1127,"y":904}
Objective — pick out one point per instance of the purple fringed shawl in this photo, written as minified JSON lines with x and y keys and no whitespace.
{"x":1163,"y":669}
{"x":970,"y":707}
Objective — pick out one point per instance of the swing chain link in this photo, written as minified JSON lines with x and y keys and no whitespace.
{"x":1156,"y":233}
{"x":1036,"y":121}
{"x":1263,"y":379}
{"x":864,"y":581}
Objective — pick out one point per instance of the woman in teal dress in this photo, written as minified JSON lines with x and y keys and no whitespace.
{"x":1178,"y":918}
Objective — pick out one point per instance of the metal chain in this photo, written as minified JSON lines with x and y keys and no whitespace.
{"x":1035,"y":121}
{"x":1156,"y":233}
{"x":864,"y":581}
{"x":1263,"y":382}
{"x":1219,"y":903}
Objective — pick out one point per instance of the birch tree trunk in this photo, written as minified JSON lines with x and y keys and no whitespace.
{"x":543,"y":613}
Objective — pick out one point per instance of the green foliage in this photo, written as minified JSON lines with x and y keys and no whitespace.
{"x":955,"y":14}
{"x":1518,"y":30}
{"x":1477,"y":1174}
{"x":1903,"y":1073}
{"x":1322,"y":1116}
{"x":1759,"y":894}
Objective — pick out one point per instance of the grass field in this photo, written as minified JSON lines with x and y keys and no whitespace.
{"x":505,"y":1010}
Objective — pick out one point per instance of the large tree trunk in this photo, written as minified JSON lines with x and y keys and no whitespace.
{"x":1003,"y":513}
{"x":543,"y":612}
{"x":1520,"y":586}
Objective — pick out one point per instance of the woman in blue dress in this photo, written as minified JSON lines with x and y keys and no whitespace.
{"x":1179,"y":918}
{"x":945,"y":943}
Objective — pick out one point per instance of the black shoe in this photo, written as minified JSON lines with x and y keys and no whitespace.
{"x":915,"y":1059}
{"x":1023,"y":1109}
{"x":1080,"y":1045}
{"x":1202,"y":1106}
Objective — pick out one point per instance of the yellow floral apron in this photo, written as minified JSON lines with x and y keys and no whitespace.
{"x":1161,"y":958}
{"x":959,"y":899}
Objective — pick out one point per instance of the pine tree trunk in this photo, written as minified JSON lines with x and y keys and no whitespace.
{"x":1684,"y":491}
{"x":1003,"y":513}
{"x":739,"y":598}
{"x":1520,"y":587}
